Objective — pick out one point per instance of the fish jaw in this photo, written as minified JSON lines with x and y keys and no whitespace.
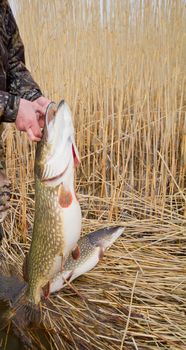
{"x":61,"y":153}
{"x":106,"y":236}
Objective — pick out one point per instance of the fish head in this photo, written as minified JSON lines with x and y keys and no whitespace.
{"x":57,"y":151}
{"x":105,"y":237}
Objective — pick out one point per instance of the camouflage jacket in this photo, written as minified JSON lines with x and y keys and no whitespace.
{"x":15,"y":80}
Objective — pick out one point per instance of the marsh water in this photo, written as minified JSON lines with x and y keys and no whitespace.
{"x":13,"y":343}
{"x":13,"y":336}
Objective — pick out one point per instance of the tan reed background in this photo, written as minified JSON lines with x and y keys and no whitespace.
{"x":124,"y":78}
{"x":122,"y":70}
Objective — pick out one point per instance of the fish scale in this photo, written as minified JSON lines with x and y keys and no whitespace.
{"x":92,"y":247}
{"x":47,"y":239}
{"x":52,"y":259}
{"x":57,"y":222}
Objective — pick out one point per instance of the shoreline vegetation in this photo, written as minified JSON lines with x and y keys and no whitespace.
{"x":123,"y":75}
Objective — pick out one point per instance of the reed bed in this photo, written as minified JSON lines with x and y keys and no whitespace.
{"x":121,"y":67}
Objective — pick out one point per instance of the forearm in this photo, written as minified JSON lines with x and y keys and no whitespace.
{"x":9,"y":105}
{"x":19,"y":79}
{"x":21,"y":83}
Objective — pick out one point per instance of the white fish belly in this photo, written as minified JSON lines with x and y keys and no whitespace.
{"x":58,"y":281}
{"x":71,"y":219}
{"x":88,"y":265}
{"x":72,"y":226}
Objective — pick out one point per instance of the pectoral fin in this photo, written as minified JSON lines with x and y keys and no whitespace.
{"x":76,"y":253}
{"x":46,"y":290}
{"x":64,"y":197}
{"x":101,"y":253}
{"x":75,"y":154}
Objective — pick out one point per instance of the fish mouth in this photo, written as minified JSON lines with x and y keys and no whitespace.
{"x":50,"y":113}
{"x":52,"y":109}
{"x":62,"y":102}
{"x":61,"y":151}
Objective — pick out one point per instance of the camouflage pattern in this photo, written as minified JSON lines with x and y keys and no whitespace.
{"x":4,"y":184}
{"x":15,"y":80}
{"x":15,"y":83}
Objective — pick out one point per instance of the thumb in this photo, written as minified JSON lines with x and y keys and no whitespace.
{"x":39,"y":109}
{"x":41,"y":121}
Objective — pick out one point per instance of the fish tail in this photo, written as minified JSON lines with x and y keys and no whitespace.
{"x":27,"y":312}
{"x":11,"y":289}
{"x":15,"y":303}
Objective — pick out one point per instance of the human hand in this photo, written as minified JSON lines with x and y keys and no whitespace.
{"x":43,"y":102}
{"x":30,"y":118}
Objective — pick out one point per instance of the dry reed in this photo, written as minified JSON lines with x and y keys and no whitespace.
{"x":122,"y":70}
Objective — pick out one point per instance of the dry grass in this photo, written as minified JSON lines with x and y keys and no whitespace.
{"x":124,"y":77}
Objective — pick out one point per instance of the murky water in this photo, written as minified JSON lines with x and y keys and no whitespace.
{"x":10,"y":287}
{"x":12,"y":343}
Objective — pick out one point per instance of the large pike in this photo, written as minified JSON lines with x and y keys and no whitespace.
{"x":57,"y":222}
{"x":56,"y":254}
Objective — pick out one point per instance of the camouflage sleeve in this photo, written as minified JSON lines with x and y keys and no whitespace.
{"x":9,"y":105}
{"x":19,"y":79}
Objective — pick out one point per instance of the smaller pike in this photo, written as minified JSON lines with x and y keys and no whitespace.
{"x":92,"y":248}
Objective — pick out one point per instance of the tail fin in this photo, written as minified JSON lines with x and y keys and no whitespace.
{"x":14,"y":303}
{"x":27,"y":312}
{"x":11,"y":288}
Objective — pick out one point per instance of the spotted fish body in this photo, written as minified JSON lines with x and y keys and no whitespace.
{"x":92,"y":247}
{"x":57,"y":222}
{"x":51,"y":261}
{"x":12,"y":290}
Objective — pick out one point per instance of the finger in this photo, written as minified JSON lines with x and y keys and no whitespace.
{"x":43,"y":101}
{"x":39,"y":109}
{"x":41,"y":122}
{"x":45,"y":105}
{"x":36,"y":128}
{"x":31,"y":135}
